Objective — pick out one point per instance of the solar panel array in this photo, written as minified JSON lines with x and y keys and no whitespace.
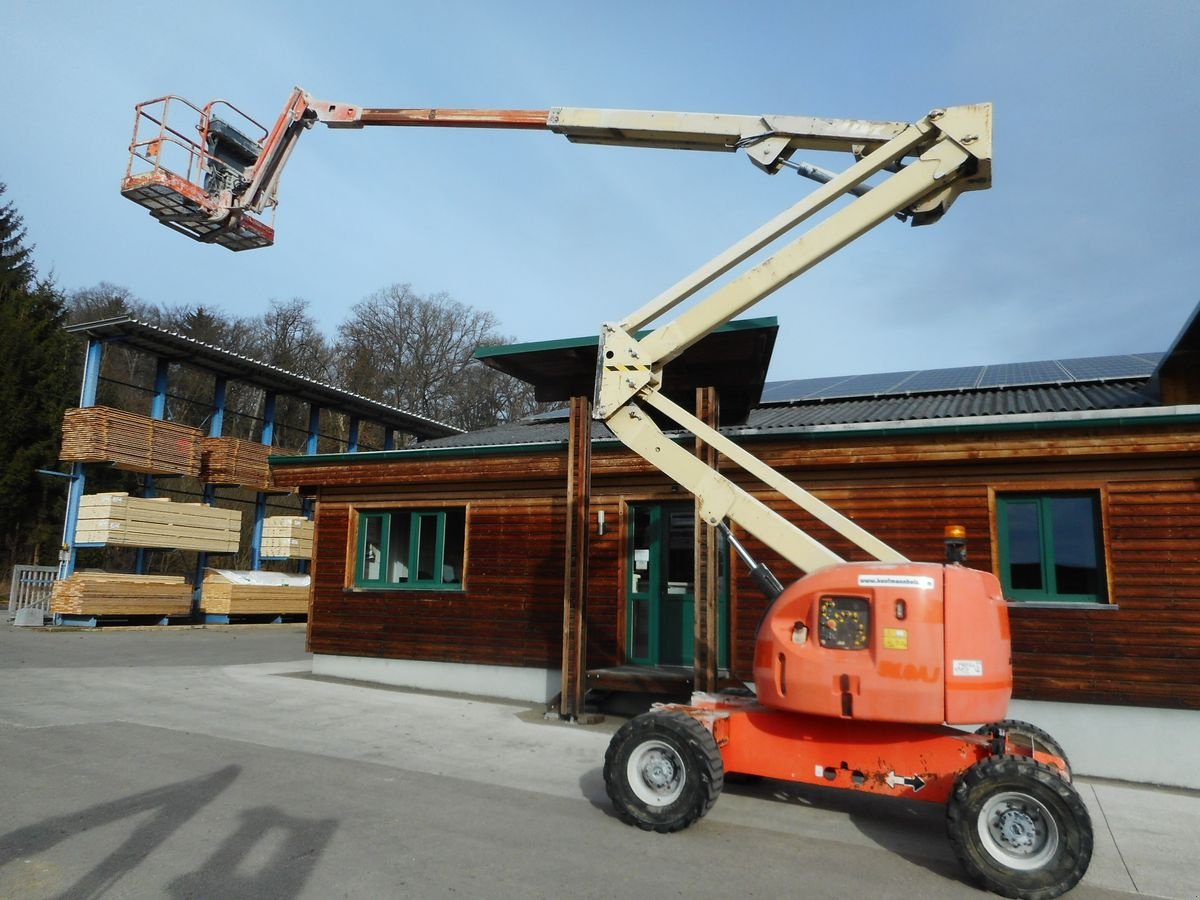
{"x":965,"y":378}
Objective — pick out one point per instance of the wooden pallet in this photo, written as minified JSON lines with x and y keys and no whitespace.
{"x":130,"y":442}
{"x":120,"y":520}
{"x":222,"y":594}
{"x":237,"y":462}
{"x":111,"y":594}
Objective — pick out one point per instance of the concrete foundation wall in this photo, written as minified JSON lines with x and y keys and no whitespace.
{"x":505,"y":682}
{"x":1152,"y":746}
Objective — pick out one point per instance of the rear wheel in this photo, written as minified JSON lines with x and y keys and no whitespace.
{"x":1019,"y":829}
{"x":1028,"y":733}
{"x":663,"y":771}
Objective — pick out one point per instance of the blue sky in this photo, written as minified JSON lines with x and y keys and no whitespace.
{"x":1086,"y":244}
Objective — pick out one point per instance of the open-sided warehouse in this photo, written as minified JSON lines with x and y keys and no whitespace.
{"x":1077,"y":481}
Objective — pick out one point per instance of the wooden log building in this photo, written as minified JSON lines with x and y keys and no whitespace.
{"x":541,"y":559}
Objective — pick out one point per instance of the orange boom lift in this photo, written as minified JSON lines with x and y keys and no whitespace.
{"x":864,"y":672}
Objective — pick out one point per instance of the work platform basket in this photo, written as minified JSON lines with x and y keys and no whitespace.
{"x":188,"y":167}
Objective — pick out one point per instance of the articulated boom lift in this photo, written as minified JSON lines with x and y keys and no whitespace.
{"x":861,"y":669}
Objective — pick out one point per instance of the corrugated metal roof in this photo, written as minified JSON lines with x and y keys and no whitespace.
{"x":959,"y":404}
{"x":781,"y":418}
{"x":174,"y":346}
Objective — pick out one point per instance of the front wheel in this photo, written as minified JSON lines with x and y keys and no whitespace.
{"x":663,"y":771}
{"x":1019,"y":829}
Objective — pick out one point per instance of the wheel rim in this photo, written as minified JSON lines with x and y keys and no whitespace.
{"x":1018,"y":831}
{"x":655,"y":773}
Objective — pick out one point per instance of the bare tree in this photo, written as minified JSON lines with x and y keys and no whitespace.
{"x":416,"y":353}
{"x":287,"y":336}
{"x":106,"y":301}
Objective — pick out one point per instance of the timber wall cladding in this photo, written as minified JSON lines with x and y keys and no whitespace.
{"x":1146,"y":653}
{"x":510,"y":612}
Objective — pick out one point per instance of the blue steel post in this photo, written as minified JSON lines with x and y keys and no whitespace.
{"x":260,"y":499}
{"x":158,"y":410}
{"x":314,"y":429}
{"x":216,"y":425}
{"x":93,"y":357}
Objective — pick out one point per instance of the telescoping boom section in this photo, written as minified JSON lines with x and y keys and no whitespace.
{"x":217,"y":181}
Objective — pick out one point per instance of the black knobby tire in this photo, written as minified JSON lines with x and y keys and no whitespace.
{"x":1031,"y":731}
{"x":663,"y":771}
{"x":1019,"y":829}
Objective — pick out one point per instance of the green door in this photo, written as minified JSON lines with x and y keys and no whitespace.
{"x":661,"y":586}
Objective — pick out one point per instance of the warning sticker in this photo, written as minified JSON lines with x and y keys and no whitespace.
{"x":922,"y":582}
{"x":968,"y":668}
{"x":895,"y":638}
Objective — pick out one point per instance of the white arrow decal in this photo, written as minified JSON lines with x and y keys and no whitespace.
{"x":916,"y":782}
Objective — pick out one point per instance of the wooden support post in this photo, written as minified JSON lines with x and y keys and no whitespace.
{"x":575,"y":568}
{"x":708,"y":635}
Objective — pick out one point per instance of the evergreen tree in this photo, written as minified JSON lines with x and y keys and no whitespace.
{"x":37,"y":380}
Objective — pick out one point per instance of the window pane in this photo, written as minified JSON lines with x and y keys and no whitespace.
{"x":454,"y":541}
{"x":426,"y":557}
{"x":1024,"y":547}
{"x":397,"y":559}
{"x":1074,"y":528}
{"x":643,"y":538}
{"x":681,"y":552}
{"x":372,"y":560}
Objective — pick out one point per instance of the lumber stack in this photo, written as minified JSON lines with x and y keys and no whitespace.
{"x":109,"y":594}
{"x":129,"y":441}
{"x":235,"y":461}
{"x":120,"y":520}
{"x":253,"y":593}
{"x":288,"y":537}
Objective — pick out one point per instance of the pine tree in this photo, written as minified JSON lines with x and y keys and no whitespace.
{"x":37,"y":378}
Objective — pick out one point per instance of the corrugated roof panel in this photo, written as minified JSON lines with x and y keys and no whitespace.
{"x":781,"y":418}
{"x":993,"y":402}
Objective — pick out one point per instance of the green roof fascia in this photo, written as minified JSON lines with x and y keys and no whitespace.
{"x":594,"y":339}
{"x":764,"y":435}
{"x":892,"y":430}
{"x":382,"y":456}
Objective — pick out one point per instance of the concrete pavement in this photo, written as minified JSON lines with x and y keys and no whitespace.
{"x":166,"y":763}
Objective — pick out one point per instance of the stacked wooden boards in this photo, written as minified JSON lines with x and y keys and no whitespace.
{"x":118,"y":519}
{"x":129,"y":441}
{"x":108,"y":594}
{"x":235,"y":461}
{"x":253,"y":593}
{"x":287,"y":537}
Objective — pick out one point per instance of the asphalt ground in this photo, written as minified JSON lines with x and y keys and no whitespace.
{"x":185,"y":762}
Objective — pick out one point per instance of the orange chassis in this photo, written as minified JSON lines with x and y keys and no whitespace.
{"x":914,"y":762}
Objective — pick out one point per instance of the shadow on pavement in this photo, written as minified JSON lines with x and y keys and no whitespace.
{"x":297,"y":847}
{"x":271,"y":854}
{"x":912,"y":830}
{"x":175,"y":803}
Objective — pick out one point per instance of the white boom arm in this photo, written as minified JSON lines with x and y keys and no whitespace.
{"x":920,"y":169}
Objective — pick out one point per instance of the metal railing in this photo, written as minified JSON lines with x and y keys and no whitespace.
{"x":31,"y":586}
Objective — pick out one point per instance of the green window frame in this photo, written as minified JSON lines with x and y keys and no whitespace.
{"x":411,"y":549}
{"x":1051,"y":547}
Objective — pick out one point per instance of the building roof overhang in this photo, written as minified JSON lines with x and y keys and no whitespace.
{"x":733,"y":359}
